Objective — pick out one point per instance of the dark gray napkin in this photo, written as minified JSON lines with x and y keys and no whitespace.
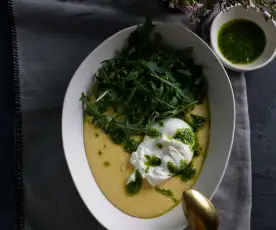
{"x":54,"y":37}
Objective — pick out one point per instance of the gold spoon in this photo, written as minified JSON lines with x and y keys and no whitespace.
{"x":199,"y":211}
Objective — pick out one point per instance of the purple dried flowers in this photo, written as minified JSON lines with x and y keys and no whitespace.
{"x":195,"y":7}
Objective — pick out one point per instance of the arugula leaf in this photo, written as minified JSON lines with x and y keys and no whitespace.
{"x":143,"y":84}
{"x":197,"y":121}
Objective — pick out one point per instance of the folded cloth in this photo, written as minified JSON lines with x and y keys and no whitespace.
{"x":54,"y":37}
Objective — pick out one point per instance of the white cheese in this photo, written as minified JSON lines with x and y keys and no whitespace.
{"x":165,"y":147}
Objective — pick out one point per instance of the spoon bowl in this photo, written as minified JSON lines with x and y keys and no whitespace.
{"x":199,"y":211}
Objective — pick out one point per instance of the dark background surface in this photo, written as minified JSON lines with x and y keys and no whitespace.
{"x":7,"y":160}
{"x":261,"y":86}
{"x":261,"y":90}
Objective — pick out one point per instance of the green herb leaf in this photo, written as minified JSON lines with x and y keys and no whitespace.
{"x":117,"y":135}
{"x":196,"y":121}
{"x":143,"y":84}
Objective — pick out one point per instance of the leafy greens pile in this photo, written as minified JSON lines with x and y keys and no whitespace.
{"x":146,"y":82}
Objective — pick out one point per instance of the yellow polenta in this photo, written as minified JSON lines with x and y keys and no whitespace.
{"x":111,"y":168}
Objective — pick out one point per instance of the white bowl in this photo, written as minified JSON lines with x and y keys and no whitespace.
{"x":222,"y":111}
{"x":268,"y":26}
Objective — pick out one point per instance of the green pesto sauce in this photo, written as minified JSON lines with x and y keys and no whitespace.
{"x":166,"y":192}
{"x":106,"y":163}
{"x":134,"y":186}
{"x":131,"y":145}
{"x":185,"y":135}
{"x":241,"y":41}
{"x":159,"y":145}
{"x":152,"y":161}
{"x":197,"y":149}
{"x":153,"y":133}
{"x":185,"y":172}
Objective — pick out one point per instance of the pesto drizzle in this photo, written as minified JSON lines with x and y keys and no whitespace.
{"x":197,"y":149}
{"x":153,"y":161}
{"x":166,"y":192}
{"x":131,"y":145}
{"x":185,"y":171}
{"x":134,"y":186}
{"x":185,"y":135}
{"x":106,"y":163}
{"x":153,"y":133}
{"x":159,"y":145}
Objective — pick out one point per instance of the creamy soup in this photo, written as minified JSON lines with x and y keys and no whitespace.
{"x":111,"y":169}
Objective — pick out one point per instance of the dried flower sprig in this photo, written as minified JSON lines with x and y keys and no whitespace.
{"x":196,"y":7}
{"x":268,"y":7}
{"x":191,"y":7}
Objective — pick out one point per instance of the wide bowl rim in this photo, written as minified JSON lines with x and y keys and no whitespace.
{"x":66,"y":103}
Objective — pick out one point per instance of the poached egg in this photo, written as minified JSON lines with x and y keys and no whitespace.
{"x":165,"y":148}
